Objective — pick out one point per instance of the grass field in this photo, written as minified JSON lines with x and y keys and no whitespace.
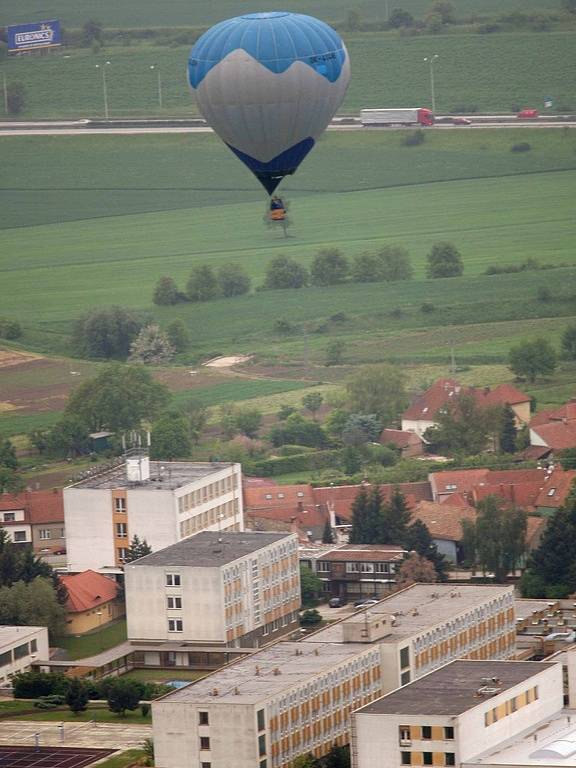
{"x":492,"y":73}
{"x":147,"y":13}
{"x":89,"y":645}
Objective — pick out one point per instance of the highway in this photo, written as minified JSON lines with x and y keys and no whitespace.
{"x":197,"y":125}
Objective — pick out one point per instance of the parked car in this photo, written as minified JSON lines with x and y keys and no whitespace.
{"x":365,"y":603}
{"x":461,"y":121}
{"x":527,"y":114}
{"x":336,"y":602}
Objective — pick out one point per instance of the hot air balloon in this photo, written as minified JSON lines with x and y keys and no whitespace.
{"x":269,"y":84}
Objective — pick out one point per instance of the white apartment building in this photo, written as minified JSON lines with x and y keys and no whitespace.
{"x":293,"y":698}
{"x":466,"y":713}
{"x":20,"y":647}
{"x":230,"y":588}
{"x":162,"y":502}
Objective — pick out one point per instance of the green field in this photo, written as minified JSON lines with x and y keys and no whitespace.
{"x":489,"y":73}
{"x":84,"y":646}
{"x":201,"y":13}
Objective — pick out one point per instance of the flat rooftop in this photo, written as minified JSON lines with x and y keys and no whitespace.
{"x":254,"y":679}
{"x":524,"y":608}
{"x":452,"y":689}
{"x":548,"y":743}
{"x":10,"y":635}
{"x":417,"y":609}
{"x":164,"y":475}
{"x":211,"y":548}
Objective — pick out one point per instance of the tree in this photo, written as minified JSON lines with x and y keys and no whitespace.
{"x":508,"y":431}
{"x":284,"y":272}
{"x":137,"y":549}
{"x":462,"y":426}
{"x":395,"y":263}
{"x":498,"y":537}
{"x":117,"y":399}
{"x":327,"y":535}
{"x":202,"y":284}
{"x":310,"y":617}
{"x":444,"y":260}
{"x":7,"y":454}
{"x":33,"y":604}
{"x":379,"y":390}
{"x":15,"y":98}
{"x":337,"y":757}
{"x":313,"y":402}
{"x":297,"y":430}
{"x":233,"y":280}
{"x":419,"y":540}
{"x":166,"y":292}
{"x":10,"y":481}
{"x":350,"y":459}
{"x":10,"y":329}
{"x":368,"y":520}
{"x":77,"y":697}
{"x":310,"y":586}
{"x":416,"y":569}
{"x":151,"y":347}
{"x":400,"y":18}
{"x":569,"y":338}
{"x":567,"y":458}
{"x":529,"y":359}
{"x":396,"y":520}
{"x":170,"y":437}
{"x":329,"y":267}
{"x":445,"y":10}
{"x":91,"y":31}
{"x":305,"y":761}
{"x":178,"y":336}
{"x":248,"y":421}
{"x":361,"y":428}
{"x":335,"y":353}
{"x":123,"y":695}
{"x":196,"y":414}
{"x":106,"y":333}
{"x":569,"y":5}
{"x":68,"y":437}
{"x":367,"y":268}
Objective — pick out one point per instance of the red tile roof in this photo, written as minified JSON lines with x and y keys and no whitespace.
{"x":456,"y":481}
{"x":443,"y":520}
{"x":556,"y":488}
{"x":566,"y":412}
{"x":557,"y":435}
{"x":88,"y":590}
{"x":39,"y":506}
{"x":341,"y":497}
{"x":399,"y":438}
{"x":505,"y":394}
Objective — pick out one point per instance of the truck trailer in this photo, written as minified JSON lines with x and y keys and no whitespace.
{"x":404,"y":117}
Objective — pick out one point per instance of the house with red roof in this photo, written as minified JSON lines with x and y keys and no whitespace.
{"x":408,"y":443}
{"x":93,"y":601}
{"x":36,"y":518}
{"x":555,"y":430}
{"x":423,"y":412}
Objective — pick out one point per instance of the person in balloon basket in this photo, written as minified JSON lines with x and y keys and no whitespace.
{"x":277,"y":210}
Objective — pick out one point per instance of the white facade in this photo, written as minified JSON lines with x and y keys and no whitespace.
{"x":409,"y":736}
{"x":103,"y":514}
{"x":418,"y":427}
{"x":241,"y":593}
{"x":19,"y":648}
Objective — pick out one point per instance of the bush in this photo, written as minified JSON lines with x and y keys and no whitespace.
{"x":166,"y":292}
{"x":283,"y":272}
{"x":414,"y":138}
{"x":233,"y":280}
{"x":444,"y":260}
{"x":543,"y":293}
{"x":521,"y":146}
{"x":35,"y":685}
{"x":284,"y":327}
{"x":145,"y":709}
{"x":301,"y":462}
{"x":15,"y":98}
{"x":329,"y":267}
{"x":10,"y":329}
{"x":310,"y":618}
{"x":427,"y":308}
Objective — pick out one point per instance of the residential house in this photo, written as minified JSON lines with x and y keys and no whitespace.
{"x":355,"y":571}
{"x":409,"y":444}
{"x":36,"y":518}
{"x":93,"y":601}
{"x":554,"y":430}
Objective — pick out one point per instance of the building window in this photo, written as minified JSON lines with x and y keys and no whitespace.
{"x":449,"y":732}
{"x":121,"y":530}
{"x":122,"y":553}
{"x":449,"y":758}
{"x":20,"y":651}
{"x":172,"y":579}
{"x":120,"y":505}
{"x":352,"y":568}
{"x":405,"y":677}
{"x":45,"y":533}
{"x":9,"y":517}
{"x":204,"y":742}
{"x":5,"y":658}
{"x":406,"y":758}
{"x":33,"y":646}
{"x":367,"y":567}
{"x":404,"y":733}
{"x":404,"y":658}
{"x":205,"y":765}
{"x":262,"y":745}
{"x":263,"y":763}
{"x":174,"y":625}
{"x":260,"y":720}
{"x":426,"y":732}
{"x":323,"y":567}
{"x":427,"y":758}
{"x":174,"y":602}
{"x":19,"y":535}
{"x":203,"y":718}
{"x":382,"y":568}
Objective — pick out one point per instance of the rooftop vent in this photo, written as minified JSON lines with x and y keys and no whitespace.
{"x":276,"y":671}
{"x":257,"y":671}
{"x":215,"y":692}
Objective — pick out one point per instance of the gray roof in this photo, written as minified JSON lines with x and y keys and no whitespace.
{"x":164,"y":475}
{"x":453,"y":689}
{"x":211,"y":548}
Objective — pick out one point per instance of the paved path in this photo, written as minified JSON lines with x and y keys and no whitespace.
{"x":100,"y":735}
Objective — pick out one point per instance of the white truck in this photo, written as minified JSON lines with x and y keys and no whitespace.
{"x":404,"y":117}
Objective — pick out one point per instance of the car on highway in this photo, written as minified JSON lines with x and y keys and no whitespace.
{"x":461,"y":121}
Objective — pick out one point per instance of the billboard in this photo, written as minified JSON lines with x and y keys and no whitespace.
{"x":39,"y":34}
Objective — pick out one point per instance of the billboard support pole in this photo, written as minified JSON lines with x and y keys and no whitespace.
{"x":5,"y":89}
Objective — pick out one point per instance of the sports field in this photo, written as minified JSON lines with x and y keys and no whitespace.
{"x":126,"y":13}
{"x":484,"y":73}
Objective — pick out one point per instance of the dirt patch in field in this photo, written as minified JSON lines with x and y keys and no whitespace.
{"x":10,"y":357}
{"x":227,"y":362}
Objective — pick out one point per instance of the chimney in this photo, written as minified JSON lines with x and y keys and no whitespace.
{"x":300,"y":507}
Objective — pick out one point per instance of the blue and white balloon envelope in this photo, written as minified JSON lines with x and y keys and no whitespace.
{"x":269,"y":84}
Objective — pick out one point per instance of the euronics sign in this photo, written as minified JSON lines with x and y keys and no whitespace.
{"x":40,"y":34}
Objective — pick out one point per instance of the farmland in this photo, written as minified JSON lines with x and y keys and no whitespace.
{"x":486,"y":73}
{"x":181,"y":12}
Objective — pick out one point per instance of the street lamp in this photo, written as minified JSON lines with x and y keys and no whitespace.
{"x":104,"y":86}
{"x":99,"y":614}
{"x":159,"y":75}
{"x":431,"y":60}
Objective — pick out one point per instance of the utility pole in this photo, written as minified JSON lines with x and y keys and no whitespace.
{"x":159,"y":81}
{"x":5,"y":86}
{"x":431,"y":60}
{"x":104,"y":87}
